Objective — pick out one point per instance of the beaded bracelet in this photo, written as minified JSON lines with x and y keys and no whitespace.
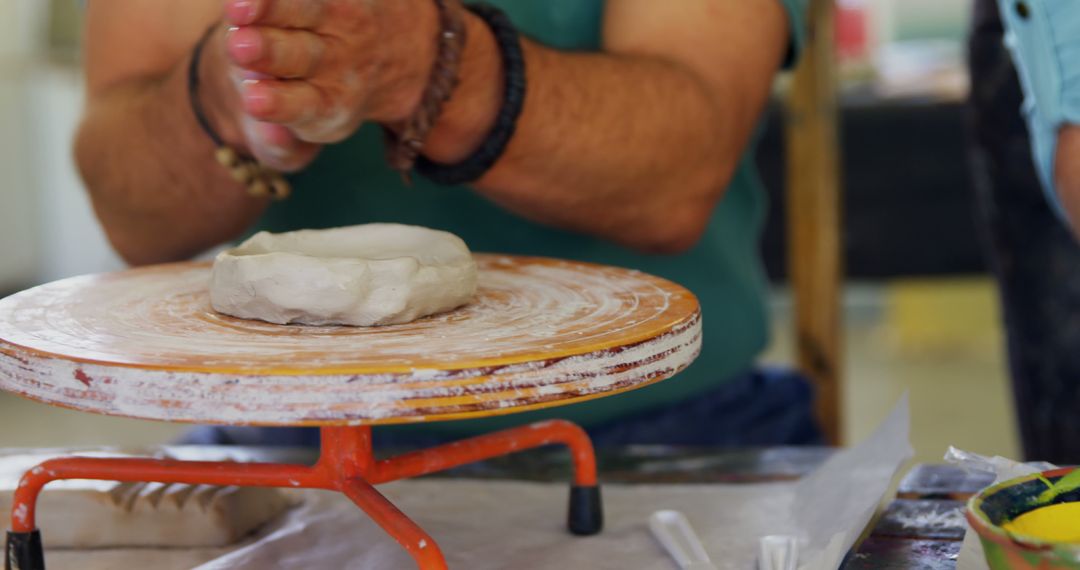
{"x":260,"y":181}
{"x":404,"y":147}
{"x":494,"y":145}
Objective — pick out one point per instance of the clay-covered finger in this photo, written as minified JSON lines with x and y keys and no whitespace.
{"x":282,"y":101}
{"x":278,"y":147}
{"x":279,"y":13}
{"x":300,"y":106}
{"x":277,"y":52}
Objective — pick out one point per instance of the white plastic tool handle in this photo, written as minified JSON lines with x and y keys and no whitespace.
{"x":778,"y":552}
{"x":674,"y":532}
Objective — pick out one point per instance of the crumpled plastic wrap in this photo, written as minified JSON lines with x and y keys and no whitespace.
{"x":494,"y":525}
{"x":971,"y":553}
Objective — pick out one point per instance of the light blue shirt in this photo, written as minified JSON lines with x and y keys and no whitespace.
{"x":1044,"y":38}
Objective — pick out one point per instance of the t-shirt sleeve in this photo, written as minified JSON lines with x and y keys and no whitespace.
{"x":1044,"y":39}
{"x":796,"y":12}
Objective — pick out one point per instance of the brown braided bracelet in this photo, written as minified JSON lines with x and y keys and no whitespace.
{"x":404,"y":147}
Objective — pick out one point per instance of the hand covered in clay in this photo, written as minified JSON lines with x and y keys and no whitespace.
{"x":326,"y":66}
{"x":222,"y":85}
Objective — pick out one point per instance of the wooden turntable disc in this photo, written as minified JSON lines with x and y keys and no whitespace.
{"x":145,"y":343}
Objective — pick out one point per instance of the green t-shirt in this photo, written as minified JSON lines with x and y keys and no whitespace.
{"x":350,"y":184}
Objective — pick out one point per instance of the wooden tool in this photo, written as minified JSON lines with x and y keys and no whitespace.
{"x":144,"y":343}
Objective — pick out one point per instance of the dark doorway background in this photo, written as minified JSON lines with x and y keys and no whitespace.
{"x":908,"y":203}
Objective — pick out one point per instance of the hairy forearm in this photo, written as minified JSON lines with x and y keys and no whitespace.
{"x":151,"y":174}
{"x":632,"y":149}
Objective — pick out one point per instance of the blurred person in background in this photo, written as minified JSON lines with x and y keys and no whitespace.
{"x":633,"y":147}
{"x":1026,"y":160}
{"x":1043,"y":37}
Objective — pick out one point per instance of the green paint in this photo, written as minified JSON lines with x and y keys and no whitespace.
{"x":1016,"y":556}
{"x":995,"y":555}
{"x":1049,"y":485}
{"x":1070,"y":482}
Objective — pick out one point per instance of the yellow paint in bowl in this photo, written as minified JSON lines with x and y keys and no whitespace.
{"x":1054,"y":523}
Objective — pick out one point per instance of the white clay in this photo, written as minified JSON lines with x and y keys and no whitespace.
{"x":373,"y":274}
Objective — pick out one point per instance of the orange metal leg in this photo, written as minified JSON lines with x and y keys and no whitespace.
{"x":409,"y":535}
{"x":346,"y":464}
{"x":586,"y":513}
{"x":24,"y":547}
{"x":345,"y":452}
{"x":491,"y":445}
{"x":157,"y":470}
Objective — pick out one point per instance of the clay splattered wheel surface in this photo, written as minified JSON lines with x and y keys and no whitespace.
{"x":541,"y":332}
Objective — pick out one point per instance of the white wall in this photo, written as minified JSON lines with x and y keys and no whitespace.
{"x":71,"y":241}
{"x":47,"y":228}
{"x":18,"y":240}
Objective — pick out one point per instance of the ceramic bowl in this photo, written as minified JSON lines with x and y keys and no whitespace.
{"x":1001,"y":503}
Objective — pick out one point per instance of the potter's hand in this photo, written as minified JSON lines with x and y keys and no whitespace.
{"x":332,"y":64}
{"x":220,"y":92}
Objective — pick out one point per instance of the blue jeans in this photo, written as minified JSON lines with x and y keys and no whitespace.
{"x":759,"y":408}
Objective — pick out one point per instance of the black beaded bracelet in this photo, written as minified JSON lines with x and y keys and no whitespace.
{"x":489,"y":151}
{"x":260,"y":181}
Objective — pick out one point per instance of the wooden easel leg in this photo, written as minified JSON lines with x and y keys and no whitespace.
{"x":815,"y":242}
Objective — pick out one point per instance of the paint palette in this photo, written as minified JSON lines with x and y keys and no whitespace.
{"x":991,"y":511}
{"x":145,"y":343}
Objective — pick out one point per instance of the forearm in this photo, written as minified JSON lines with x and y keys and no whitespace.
{"x":632,"y":149}
{"x":1067,"y":174}
{"x":151,"y":174}
{"x":634,"y":145}
{"x":1044,"y":38}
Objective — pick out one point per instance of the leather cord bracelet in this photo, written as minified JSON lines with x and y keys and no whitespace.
{"x":494,"y":145}
{"x":403,"y":148}
{"x":260,"y":181}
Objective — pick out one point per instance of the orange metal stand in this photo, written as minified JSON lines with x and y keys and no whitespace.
{"x":346,"y":464}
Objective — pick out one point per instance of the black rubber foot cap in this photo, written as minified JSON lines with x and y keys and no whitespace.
{"x":24,"y":551}
{"x":586,"y":510}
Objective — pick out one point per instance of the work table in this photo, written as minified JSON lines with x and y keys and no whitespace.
{"x":921,"y":528}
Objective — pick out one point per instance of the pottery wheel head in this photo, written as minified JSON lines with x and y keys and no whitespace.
{"x":540,"y":332}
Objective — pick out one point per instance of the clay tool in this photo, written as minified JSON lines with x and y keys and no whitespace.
{"x":679,"y":539}
{"x":778,"y":552}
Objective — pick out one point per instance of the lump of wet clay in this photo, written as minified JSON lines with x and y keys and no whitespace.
{"x":366,"y":275}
